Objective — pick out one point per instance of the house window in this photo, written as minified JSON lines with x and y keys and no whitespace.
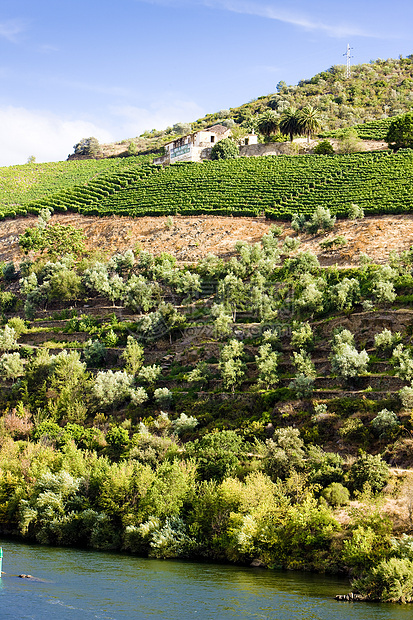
{"x":212,"y":138}
{"x":246,"y":141}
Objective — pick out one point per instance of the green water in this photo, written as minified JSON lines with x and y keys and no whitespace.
{"x":87,"y":585}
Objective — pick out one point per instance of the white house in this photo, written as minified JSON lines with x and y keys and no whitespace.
{"x":196,"y":146}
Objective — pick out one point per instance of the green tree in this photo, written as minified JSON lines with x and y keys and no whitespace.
{"x":289,"y":123}
{"x":56,"y":239}
{"x":224,"y":149}
{"x":284,"y":453}
{"x":231,"y":364}
{"x":267,"y":365}
{"x":308,"y":121}
{"x":87,"y":146}
{"x":268,"y":123}
{"x":400,"y":132}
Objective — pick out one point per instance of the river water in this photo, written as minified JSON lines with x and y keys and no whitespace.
{"x":86,"y":585}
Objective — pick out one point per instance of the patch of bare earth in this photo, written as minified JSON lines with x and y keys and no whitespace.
{"x":193,"y":237}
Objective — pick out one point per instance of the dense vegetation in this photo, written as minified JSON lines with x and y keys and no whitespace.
{"x":228,"y":411}
{"x":278,"y":186}
{"x":21,"y":185}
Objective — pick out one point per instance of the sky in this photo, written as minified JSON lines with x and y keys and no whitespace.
{"x":71,"y":69}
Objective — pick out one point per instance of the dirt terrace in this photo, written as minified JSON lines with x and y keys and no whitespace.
{"x":191,"y":238}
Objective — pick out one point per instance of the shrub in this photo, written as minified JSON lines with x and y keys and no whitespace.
{"x":163,"y":397}
{"x":321,"y":218}
{"x":324,"y":148}
{"x":184,"y":423}
{"x":224,"y":149}
{"x":324,"y":467}
{"x":94,"y":353}
{"x":302,"y":336}
{"x":400,"y":132}
{"x":371,"y":470}
{"x":298,"y":222}
{"x":284,"y":453}
{"x":386,"y":340}
{"x":303,"y":364}
{"x":87,"y":146}
{"x":384,"y":423}
{"x":302,"y":386}
{"x":336,"y":494}
{"x":390,"y":581}
{"x":346,"y":293}
{"x":403,"y":363}
{"x":354,"y":212}
{"x":406,"y":396}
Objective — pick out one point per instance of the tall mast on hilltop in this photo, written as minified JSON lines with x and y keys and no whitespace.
{"x":348,"y":54}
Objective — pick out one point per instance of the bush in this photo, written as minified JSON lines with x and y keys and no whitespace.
{"x":406,"y":397}
{"x":386,"y":340}
{"x":371,"y":470}
{"x":336,"y":494}
{"x":347,"y":362}
{"x":390,"y":581}
{"x":384,"y":423}
{"x":163,"y":397}
{"x":87,"y":146}
{"x":284,"y":453}
{"x":324,"y":148}
{"x":224,"y":149}
{"x":302,"y":386}
{"x":321,"y":218}
{"x":400,"y":132}
{"x":94,"y":353}
{"x":355,"y":212}
{"x":302,"y":336}
{"x":403,"y":363}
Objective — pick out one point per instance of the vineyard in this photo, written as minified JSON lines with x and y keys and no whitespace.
{"x":372,"y":130}
{"x":276,"y":186}
{"x":21,"y":185}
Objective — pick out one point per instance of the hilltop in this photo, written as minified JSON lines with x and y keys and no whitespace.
{"x":375,"y":91}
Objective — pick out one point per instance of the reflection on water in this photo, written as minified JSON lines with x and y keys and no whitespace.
{"x":88,"y":585}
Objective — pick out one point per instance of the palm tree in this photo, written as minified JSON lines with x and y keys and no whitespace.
{"x":268,"y":123}
{"x":308,"y":121}
{"x":289,"y":123}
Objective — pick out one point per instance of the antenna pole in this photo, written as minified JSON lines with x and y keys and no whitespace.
{"x":348,"y":55}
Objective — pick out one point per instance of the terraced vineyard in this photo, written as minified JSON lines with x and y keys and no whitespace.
{"x":372,"y":130}
{"x":277,"y":186}
{"x":21,"y":185}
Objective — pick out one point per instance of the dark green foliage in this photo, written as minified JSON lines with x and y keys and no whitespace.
{"x":336,"y":494}
{"x":400,"y":132}
{"x":324,"y":148}
{"x":224,"y":149}
{"x":371,"y":470}
{"x":87,"y":146}
{"x":390,"y":581}
{"x":217,"y":454}
{"x":284,"y":453}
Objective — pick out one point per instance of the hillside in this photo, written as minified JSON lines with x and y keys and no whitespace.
{"x":191,"y":238}
{"x":277,"y":186}
{"x":375,"y":91}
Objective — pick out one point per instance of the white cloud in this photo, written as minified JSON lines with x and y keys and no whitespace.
{"x":50,"y":137}
{"x":278,"y":13}
{"x":42,"y":134}
{"x":135,"y":120}
{"x":274,"y":11}
{"x":9,"y":29}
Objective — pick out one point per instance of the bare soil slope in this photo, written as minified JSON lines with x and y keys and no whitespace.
{"x":191,"y":238}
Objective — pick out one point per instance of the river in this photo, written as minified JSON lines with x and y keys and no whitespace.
{"x":86,"y":585}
